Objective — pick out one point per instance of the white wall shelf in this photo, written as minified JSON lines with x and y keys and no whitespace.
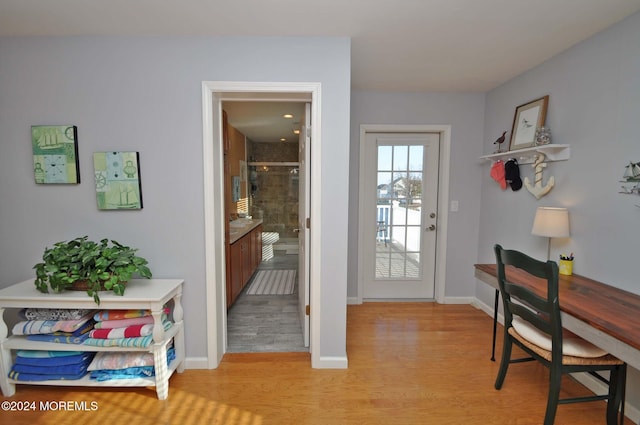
{"x":552,"y":152}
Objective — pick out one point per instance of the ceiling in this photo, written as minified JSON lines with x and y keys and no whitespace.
{"x":264,"y":121}
{"x":402,"y":45}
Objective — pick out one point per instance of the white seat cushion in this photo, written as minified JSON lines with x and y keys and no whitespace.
{"x":572,"y":345}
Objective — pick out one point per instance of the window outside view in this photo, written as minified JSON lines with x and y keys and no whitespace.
{"x":399,"y":212}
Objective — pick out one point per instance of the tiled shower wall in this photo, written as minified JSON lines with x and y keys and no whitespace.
{"x":274,"y":188}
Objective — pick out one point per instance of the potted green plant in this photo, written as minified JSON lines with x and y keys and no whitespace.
{"x":92,"y":266}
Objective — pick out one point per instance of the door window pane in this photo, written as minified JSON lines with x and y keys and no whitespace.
{"x":399,"y":212}
{"x":385,"y":188}
{"x":384,"y":157}
{"x":416,"y":157}
{"x":412,"y":240}
{"x":414,"y":199}
{"x":400,"y":154}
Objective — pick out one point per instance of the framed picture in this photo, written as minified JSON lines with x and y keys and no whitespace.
{"x":527,"y":119}
{"x":118,"y":185}
{"x":55,"y":154}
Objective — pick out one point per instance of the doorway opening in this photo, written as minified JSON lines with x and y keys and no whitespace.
{"x":403,"y":210}
{"x":264,"y":152}
{"x":214,"y":93}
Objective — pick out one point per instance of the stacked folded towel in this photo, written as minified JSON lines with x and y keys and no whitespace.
{"x":69,"y":326}
{"x":124,"y":328}
{"x":132,"y":329}
{"x":121,"y":314}
{"x":38,"y":365}
{"x":108,"y":366}
{"x":54,"y":313}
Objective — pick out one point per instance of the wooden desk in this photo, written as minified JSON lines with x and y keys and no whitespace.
{"x":602,"y":314}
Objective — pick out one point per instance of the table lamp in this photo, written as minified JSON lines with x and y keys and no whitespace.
{"x":552,"y":223}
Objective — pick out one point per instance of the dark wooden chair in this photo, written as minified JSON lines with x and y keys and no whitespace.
{"x":532,"y":322}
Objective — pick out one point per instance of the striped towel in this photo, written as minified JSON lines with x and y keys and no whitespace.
{"x":31,"y":327}
{"x":123,"y":323}
{"x":120,"y":314}
{"x":138,"y":342}
{"x":128,"y":332}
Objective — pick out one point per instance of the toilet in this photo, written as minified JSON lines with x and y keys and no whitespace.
{"x":268,"y":239}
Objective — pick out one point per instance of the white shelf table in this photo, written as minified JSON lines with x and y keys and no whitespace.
{"x":140,"y":294}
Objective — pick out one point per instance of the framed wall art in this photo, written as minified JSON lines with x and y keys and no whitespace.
{"x":55,"y":154}
{"x":527,"y":119}
{"x":118,"y":184}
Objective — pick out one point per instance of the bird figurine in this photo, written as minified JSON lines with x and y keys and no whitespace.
{"x":499,"y":142}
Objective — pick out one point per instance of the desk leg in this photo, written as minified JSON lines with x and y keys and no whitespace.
{"x":495,"y":326}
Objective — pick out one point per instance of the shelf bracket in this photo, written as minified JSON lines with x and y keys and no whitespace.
{"x":537,"y":189}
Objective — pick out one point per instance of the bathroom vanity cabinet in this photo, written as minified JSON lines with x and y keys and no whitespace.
{"x":245,"y":254}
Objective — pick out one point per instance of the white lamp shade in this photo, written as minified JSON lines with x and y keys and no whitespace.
{"x":551,"y":222}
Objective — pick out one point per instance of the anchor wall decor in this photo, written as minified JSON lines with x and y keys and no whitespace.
{"x":537,"y":189}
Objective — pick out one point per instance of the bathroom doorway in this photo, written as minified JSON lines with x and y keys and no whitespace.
{"x":213,"y":94}
{"x":265,"y":138}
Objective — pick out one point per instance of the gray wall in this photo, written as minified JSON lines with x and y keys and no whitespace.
{"x":144,"y":94}
{"x":594,"y":106}
{"x":465,"y":113}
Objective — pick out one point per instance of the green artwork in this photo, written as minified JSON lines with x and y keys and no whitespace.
{"x":117,"y":180}
{"x":55,"y":154}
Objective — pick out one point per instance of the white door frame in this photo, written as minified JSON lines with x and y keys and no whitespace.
{"x":213,"y":93}
{"x":304,"y":190}
{"x":443,"y":198}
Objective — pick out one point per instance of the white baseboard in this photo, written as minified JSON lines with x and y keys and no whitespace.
{"x":459,"y":300}
{"x":331,"y":362}
{"x":196,"y":363}
{"x":487,"y":309}
{"x":447,"y":300}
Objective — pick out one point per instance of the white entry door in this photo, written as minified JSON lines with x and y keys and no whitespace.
{"x":400,"y":215}
{"x":304,"y":188}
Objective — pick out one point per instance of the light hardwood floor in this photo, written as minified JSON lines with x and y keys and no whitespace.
{"x":409,"y":363}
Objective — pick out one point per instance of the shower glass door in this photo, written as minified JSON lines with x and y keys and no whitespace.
{"x":274,"y":195}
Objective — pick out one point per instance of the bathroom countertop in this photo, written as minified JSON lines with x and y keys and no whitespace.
{"x":240,"y":227}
